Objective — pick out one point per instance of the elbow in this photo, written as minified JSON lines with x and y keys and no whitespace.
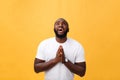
{"x":82,"y":74}
{"x":36,"y":70}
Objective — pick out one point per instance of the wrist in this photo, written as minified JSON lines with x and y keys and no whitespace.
{"x":66,"y":60}
{"x":54,"y":61}
{"x":57,"y":59}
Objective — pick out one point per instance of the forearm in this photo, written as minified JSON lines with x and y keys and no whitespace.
{"x":77,"y":69}
{"x":43,"y":66}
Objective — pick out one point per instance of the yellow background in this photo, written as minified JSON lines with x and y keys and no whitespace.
{"x":25,"y":23}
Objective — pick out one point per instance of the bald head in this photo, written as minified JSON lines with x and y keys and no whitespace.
{"x":62,"y":19}
{"x":61,"y":28}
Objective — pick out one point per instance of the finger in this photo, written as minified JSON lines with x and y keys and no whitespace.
{"x":58,"y":55}
{"x":59,"y":49}
{"x":62,"y":50}
{"x":61,"y":53}
{"x":60,"y":45}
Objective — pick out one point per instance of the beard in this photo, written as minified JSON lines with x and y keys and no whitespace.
{"x":61,"y":36}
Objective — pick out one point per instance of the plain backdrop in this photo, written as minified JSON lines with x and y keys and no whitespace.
{"x":25,"y":23}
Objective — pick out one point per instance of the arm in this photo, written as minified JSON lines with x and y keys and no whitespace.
{"x":77,"y":68}
{"x":41,"y":65}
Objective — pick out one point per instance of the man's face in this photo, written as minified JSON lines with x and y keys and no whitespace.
{"x":61,"y":28}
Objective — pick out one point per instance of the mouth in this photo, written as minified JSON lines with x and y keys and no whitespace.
{"x":60,"y":30}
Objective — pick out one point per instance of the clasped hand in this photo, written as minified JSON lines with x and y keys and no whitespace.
{"x":60,"y":56}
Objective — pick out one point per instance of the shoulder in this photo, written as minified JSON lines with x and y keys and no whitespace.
{"x":74,"y":43}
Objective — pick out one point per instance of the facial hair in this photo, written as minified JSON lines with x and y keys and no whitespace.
{"x":61,"y":36}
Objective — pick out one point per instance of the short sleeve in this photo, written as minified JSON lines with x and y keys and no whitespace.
{"x":40,"y":52}
{"x":80,"y":54}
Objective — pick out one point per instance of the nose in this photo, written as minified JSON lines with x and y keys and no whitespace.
{"x":60,"y":25}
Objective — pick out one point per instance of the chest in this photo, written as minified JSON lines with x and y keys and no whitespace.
{"x":50,"y":52}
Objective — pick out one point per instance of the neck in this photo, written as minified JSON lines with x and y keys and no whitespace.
{"x":61,"y":40}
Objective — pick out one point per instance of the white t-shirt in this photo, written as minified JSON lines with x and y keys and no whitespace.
{"x":73,"y":51}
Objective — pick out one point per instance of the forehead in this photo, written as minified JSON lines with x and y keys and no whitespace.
{"x":60,"y":20}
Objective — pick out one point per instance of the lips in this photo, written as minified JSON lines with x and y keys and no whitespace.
{"x":60,"y":30}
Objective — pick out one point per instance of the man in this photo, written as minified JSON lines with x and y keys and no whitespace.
{"x":60,"y":57}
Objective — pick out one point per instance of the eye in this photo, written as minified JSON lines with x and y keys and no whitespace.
{"x":57,"y":23}
{"x":64,"y":23}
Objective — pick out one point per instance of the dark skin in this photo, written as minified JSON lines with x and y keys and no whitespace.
{"x":78,"y":68}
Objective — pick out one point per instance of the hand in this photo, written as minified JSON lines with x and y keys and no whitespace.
{"x":63,"y":55}
{"x":59,"y":55}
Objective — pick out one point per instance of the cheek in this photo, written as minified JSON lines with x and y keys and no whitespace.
{"x":55,"y":27}
{"x":65,"y":27}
